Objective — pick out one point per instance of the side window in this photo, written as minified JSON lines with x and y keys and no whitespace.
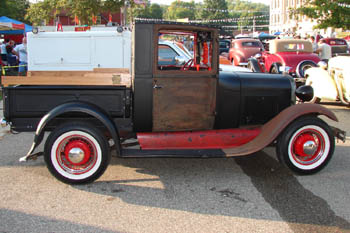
{"x":185,"y":50}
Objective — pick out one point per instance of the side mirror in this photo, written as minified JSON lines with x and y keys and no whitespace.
{"x":180,"y":60}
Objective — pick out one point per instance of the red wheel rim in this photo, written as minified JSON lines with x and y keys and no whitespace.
{"x":73,"y":165}
{"x":308,"y":146}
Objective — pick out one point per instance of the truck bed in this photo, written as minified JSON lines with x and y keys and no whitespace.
{"x":24,"y":106}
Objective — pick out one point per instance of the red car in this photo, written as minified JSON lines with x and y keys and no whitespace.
{"x":339,"y":46}
{"x":286,"y":55}
{"x":242,"y":49}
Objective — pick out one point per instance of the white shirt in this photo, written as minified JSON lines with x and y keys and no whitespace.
{"x":326,"y":51}
{"x":22,"y":52}
{"x":3,"y":48}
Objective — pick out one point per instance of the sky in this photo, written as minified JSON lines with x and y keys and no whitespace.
{"x":168,"y":2}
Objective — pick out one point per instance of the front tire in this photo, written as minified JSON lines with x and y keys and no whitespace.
{"x":306,"y":145}
{"x":77,"y":153}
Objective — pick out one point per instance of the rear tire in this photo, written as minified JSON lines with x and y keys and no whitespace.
{"x":303,"y":66}
{"x":306,"y":145}
{"x":77,"y":153}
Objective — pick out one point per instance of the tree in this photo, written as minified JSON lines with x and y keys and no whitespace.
{"x":155,"y":11}
{"x":46,"y":10}
{"x":327,"y":13}
{"x":214,"y":9}
{"x":84,"y":9}
{"x":15,"y":9}
{"x":147,"y":10}
{"x":181,"y":10}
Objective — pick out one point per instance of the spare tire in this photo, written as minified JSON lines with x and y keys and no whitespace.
{"x":303,"y":66}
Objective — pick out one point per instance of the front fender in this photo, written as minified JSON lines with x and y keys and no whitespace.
{"x":271,"y":130}
{"x":73,"y":107}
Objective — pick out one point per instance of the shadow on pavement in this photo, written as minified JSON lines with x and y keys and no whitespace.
{"x":216,"y":187}
{"x":15,"y":221}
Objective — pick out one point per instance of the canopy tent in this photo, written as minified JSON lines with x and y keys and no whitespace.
{"x":10,"y":26}
{"x":277,"y":33}
{"x":347,"y":37}
{"x":265,"y":36}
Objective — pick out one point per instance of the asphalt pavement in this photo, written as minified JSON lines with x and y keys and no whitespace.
{"x":247,"y":194}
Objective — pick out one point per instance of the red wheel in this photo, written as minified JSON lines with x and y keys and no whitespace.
{"x":76,"y":153}
{"x":306,"y":146}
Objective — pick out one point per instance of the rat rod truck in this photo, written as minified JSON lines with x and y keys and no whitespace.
{"x":186,"y":109}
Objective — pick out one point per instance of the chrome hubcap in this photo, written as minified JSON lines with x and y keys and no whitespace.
{"x":310,"y":147}
{"x":76,"y":155}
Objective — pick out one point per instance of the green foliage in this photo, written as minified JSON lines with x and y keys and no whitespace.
{"x":214,"y":9}
{"x":149,"y":11}
{"x":15,"y":9}
{"x":326,"y":13}
{"x":44,"y":11}
{"x":112,"y":5}
{"x":84,"y":9}
{"x":181,"y":10}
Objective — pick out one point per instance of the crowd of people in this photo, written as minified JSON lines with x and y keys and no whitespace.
{"x":14,"y":56}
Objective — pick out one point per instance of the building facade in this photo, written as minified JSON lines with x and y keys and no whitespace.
{"x":281,"y":19}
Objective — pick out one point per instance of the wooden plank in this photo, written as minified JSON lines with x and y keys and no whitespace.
{"x":111,"y":70}
{"x":57,"y":73}
{"x":121,"y":80}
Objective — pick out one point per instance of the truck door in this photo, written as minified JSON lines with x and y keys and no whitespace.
{"x":185,"y":79}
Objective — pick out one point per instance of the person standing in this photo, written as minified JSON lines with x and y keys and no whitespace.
{"x":314,"y":44}
{"x":324,"y":50}
{"x":4,"y":52}
{"x":21,"y":52}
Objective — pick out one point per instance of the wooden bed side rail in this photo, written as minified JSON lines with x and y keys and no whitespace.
{"x":78,"y":73}
{"x":90,"y":79}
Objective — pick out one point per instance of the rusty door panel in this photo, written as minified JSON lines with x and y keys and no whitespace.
{"x":184,"y":103}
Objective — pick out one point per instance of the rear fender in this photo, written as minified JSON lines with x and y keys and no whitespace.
{"x":73,"y":107}
{"x":272,"y":129}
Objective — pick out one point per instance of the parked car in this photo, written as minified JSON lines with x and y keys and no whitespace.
{"x":286,"y":56}
{"x":332,"y":81}
{"x":224,"y":46}
{"x":242,"y":49}
{"x":170,"y":54}
{"x":339,"y":46}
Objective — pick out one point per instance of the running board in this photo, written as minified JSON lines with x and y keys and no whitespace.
{"x":135,"y":153}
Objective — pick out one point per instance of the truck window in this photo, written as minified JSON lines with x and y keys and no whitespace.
{"x":185,"y":50}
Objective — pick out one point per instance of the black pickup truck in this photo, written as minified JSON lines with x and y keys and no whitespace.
{"x":189,"y":109}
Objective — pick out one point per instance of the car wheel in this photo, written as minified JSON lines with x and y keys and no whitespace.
{"x":275,"y":68}
{"x":303,"y":66}
{"x":77,"y":153}
{"x":306,"y":145}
